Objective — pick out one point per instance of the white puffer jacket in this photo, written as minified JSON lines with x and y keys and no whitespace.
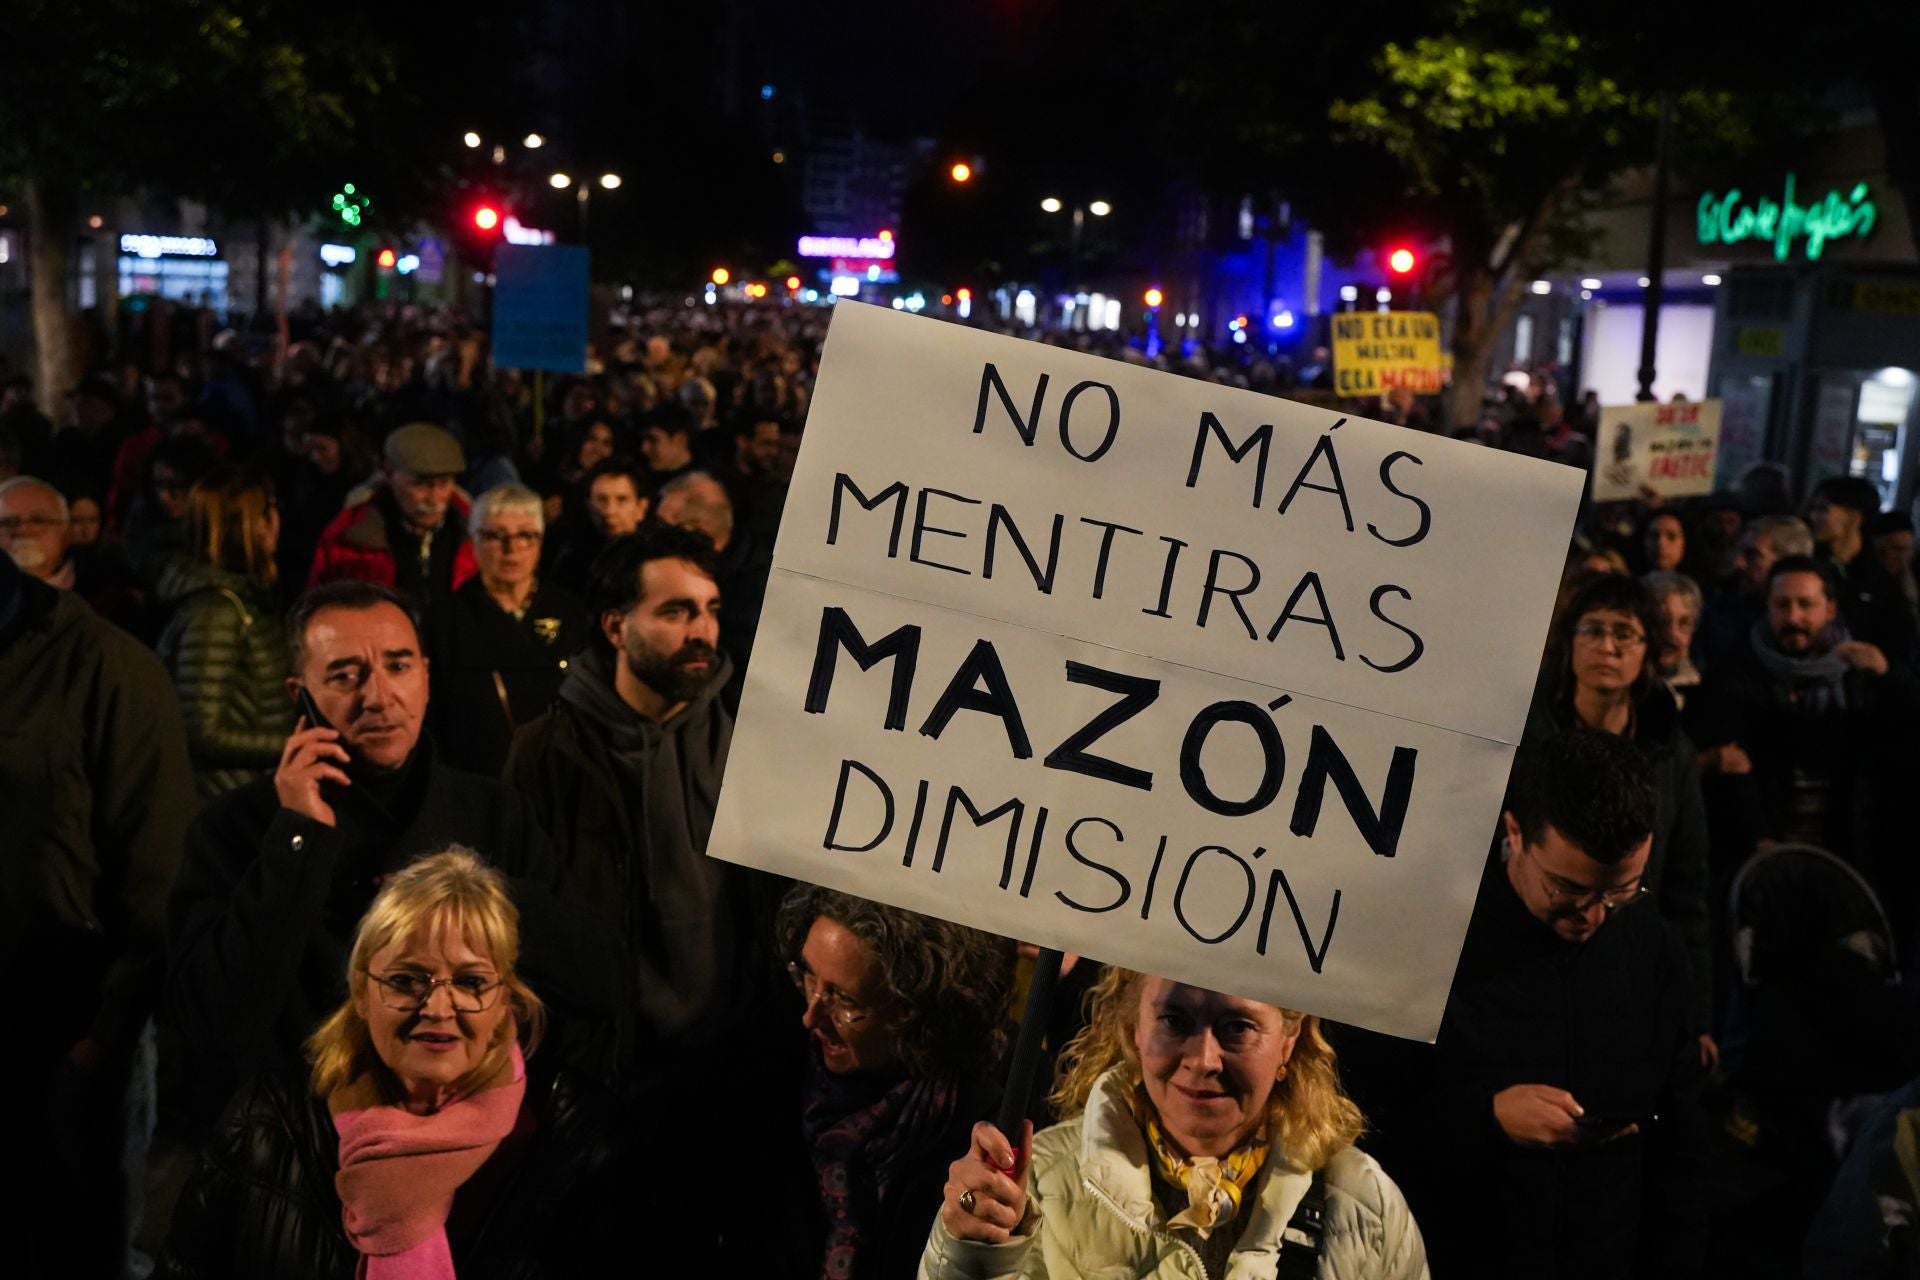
{"x":1093,"y":1215}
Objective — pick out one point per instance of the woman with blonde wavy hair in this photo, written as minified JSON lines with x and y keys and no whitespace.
{"x":1205,"y":1136}
{"x":417,"y":1147}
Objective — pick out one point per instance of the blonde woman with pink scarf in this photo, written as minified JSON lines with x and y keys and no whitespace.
{"x":417,"y":1149}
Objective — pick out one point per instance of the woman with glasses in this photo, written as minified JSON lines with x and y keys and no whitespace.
{"x":905,"y":1017}
{"x":419,"y":1144}
{"x":1205,"y":1135}
{"x":224,"y":645}
{"x":500,"y":644}
{"x":1602,"y":670}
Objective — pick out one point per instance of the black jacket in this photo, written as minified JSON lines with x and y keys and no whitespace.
{"x":629,"y":803}
{"x":265,"y":909}
{"x":474,"y":643}
{"x":262,"y":1200}
{"x":1861,"y":752}
{"x":95,"y":797}
{"x":1677,"y":875}
{"x":1607,"y":1021}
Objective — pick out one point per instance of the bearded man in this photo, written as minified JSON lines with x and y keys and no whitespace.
{"x":624,"y":773}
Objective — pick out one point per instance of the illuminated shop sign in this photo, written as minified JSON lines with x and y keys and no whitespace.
{"x":142,"y":246}
{"x":338,"y":255}
{"x":519,"y":234}
{"x":846,"y":246}
{"x":1732,"y":218}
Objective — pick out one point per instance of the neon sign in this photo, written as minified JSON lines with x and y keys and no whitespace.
{"x":846,"y":247}
{"x":1724,"y":219}
{"x":173,"y":246}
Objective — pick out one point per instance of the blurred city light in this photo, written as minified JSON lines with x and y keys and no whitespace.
{"x":560,"y":181}
{"x":1542,"y":287}
{"x":386,"y":259}
{"x":1644,"y":282}
{"x":1154,"y":297}
{"x":793,"y":282}
{"x":486,"y":217}
{"x":471,"y":138}
{"x":1349,"y":293}
{"x":533,"y":142}
{"x":1401,"y":260}
{"x":721,"y":275}
{"x":610,"y":181}
{"x":1099,"y":208}
{"x":1710,"y":281}
{"x":1050,"y":205}
{"x":962,"y":172}
{"x":1591,"y":282}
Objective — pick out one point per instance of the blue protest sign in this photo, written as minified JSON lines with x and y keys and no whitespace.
{"x":540,"y":308}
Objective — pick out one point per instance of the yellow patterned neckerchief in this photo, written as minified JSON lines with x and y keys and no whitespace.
{"x":1214,"y":1187}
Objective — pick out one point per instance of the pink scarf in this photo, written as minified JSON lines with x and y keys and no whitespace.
{"x":398,"y":1171}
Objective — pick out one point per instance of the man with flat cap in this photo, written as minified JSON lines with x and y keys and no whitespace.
{"x":405,"y":529}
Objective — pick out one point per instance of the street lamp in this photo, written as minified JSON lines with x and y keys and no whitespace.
{"x":961,"y":171}
{"x":1098,"y":208}
{"x":471,"y":138}
{"x":533,"y":142}
{"x":583,"y":193}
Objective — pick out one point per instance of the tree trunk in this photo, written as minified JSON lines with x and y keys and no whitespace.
{"x":51,"y":209}
{"x":1472,"y":342}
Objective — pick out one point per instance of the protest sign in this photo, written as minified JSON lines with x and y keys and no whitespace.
{"x":1172,"y":675}
{"x":540,"y":308}
{"x":1667,"y":449}
{"x":1377,"y":351}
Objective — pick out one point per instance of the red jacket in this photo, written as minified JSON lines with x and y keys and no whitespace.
{"x":355,"y":545}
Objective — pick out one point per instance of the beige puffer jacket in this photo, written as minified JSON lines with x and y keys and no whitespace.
{"x":1093,"y":1199}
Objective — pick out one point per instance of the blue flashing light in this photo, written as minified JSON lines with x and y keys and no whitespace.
{"x":766,"y":93}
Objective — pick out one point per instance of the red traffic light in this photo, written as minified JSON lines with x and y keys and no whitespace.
{"x":1401,"y":260}
{"x":387,"y":259}
{"x":486,"y":217}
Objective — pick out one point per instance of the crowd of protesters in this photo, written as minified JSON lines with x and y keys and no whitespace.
{"x":332,"y":679}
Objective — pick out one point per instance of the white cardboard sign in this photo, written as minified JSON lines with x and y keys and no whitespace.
{"x":1180,"y":677}
{"x":1667,"y":449}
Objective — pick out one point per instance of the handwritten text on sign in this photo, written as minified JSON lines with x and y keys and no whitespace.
{"x":1377,"y":351}
{"x":1178,"y":677}
{"x":1666,"y":448}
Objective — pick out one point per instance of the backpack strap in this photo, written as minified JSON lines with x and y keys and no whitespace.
{"x":1300,"y":1242}
{"x":246,"y":616}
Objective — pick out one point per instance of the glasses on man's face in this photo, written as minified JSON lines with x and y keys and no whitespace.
{"x":406,"y":991}
{"x":524,"y":539}
{"x":1623,"y":636}
{"x":845,"y":1013}
{"x":13,"y":526}
{"x":1565,"y":894}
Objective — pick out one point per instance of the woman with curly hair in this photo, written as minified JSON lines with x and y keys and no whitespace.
{"x":1207,"y":1135}
{"x":905,"y":1016}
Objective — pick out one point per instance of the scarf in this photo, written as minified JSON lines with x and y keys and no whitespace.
{"x":1214,"y":1186}
{"x":1815,"y":683}
{"x":398,"y":1171}
{"x":862,"y":1134}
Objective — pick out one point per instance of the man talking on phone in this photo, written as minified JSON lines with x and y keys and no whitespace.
{"x":278,"y":872}
{"x":1557,"y":1127}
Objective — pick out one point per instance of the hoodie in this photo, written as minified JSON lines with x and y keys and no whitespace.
{"x":629,"y":801}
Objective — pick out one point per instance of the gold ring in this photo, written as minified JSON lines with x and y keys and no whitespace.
{"x":966,"y":1200}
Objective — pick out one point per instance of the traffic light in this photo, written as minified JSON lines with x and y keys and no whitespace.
{"x":1402,"y":260}
{"x":1153,"y":297}
{"x":486,"y":217}
{"x":387,"y":259}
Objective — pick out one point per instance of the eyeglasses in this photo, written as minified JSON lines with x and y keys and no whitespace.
{"x":524,"y":539}
{"x":12,"y":525}
{"x":845,"y":1013}
{"x":1580,"y":897}
{"x":406,"y":991}
{"x":1596,"y":632}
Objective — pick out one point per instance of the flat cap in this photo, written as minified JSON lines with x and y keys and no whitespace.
{"x":425,"y":450}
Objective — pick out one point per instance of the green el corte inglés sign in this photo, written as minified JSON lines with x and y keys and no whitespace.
{"x":1730,"y":219}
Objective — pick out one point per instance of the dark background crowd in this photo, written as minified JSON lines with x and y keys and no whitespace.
{"x":581,"y":560}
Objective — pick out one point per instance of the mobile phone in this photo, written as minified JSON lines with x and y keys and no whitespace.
{"x":1597,"y":1125}
{"x":311,"y":710}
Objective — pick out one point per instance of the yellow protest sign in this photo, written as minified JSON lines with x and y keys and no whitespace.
{"x":1376,"y":351}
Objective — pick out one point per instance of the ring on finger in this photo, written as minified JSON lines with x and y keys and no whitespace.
{"x":966,"y":1200}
